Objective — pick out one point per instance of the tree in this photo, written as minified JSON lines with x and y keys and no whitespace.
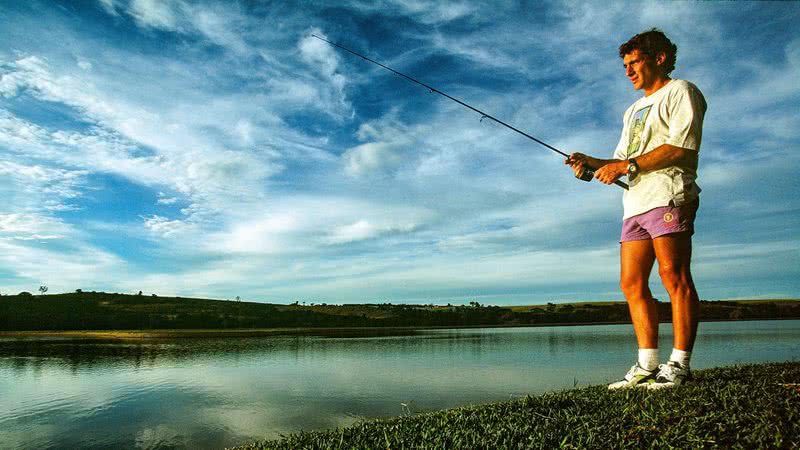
{"x":42,"y":289}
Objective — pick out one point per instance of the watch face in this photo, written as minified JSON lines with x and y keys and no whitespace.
{"x":632,"y":167}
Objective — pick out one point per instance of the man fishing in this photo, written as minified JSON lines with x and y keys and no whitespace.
{"x":658,"y":151}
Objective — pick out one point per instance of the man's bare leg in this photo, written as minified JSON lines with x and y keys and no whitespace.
{"x":636,"y":262}
{"x":674,"y":254}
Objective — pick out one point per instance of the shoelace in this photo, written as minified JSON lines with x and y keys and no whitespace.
{"x":666,"y":371}
{"x":632,"y":372}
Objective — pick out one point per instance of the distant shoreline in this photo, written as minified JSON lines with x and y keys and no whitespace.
{"x":301,"y":331}
{"x":100,"y":315}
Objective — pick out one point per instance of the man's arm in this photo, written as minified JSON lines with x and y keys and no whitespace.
{"x":665,"y":155}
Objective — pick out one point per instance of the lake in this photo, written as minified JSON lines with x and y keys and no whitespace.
{"x":213,"y":393}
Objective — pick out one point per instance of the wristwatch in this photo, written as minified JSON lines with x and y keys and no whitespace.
{"x":633,"y":168}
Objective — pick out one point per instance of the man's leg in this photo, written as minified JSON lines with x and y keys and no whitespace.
{"x":674,"y":254}
{"x":636,"y":262}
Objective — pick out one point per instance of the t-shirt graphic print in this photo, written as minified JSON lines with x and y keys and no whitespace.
{"x":637,"y":127}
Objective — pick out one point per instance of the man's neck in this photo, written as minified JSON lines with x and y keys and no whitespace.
{"x":656,"y":85}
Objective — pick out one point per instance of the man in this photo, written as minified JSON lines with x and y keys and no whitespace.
{"x":658,"y":151}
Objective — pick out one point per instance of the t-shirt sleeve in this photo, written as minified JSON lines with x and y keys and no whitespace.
{"x":686,"y":111}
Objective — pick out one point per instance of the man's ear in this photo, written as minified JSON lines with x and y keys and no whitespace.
{"x":661,"y":58}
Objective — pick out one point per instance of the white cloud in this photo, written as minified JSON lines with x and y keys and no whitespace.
{"x":303,"y":225}
{"x":323,"y":57}
{"x":190,"y":164}
{"x":32,"y":188}
{"x":28,"y":227}
{"x":163,"y":199}
{"x":362,"y":230}
{"x":388,"y":139}
{"x":220,"y":24}
{"x":370,"y":157}
{"x":165,"y":227}
{"x":84,"y":64}
{"x":155,"y":13}
{"x":64,"y":268}
{"x":425,"y":11}
{"x":109,"y":6}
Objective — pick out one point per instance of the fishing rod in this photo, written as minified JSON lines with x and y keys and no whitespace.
{"x":585,"y":175}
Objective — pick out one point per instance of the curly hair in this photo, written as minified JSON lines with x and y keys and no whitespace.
{"x":651,"y":44}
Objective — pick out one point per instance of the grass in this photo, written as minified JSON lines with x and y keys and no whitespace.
{"x":752,"y":406}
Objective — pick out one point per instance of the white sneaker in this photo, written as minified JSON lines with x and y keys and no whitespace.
{"x":670,"y":375}
{"x":637,"y":376}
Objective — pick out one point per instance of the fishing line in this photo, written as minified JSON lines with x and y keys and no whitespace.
{"x":586,"y":175}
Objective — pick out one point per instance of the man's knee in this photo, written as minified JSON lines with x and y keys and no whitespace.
{"x":634,"y":288}
{"x":675,"y":277}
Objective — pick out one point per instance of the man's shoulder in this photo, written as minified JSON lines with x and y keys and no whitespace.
{"x":685,"y":91}
{"x":683,"y":86}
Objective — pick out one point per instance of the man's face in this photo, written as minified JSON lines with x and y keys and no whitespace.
{"x":641,"y":70}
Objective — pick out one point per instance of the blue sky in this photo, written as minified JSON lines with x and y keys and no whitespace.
{"x":215,"y":149}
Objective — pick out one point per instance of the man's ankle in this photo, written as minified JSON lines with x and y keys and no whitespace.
{"x":681,"y":357}
{"x":648,"y":358}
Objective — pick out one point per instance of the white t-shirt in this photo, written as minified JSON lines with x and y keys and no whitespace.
{"x":671,"y":115}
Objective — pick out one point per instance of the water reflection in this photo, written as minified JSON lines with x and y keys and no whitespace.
{"x":212,"y":393}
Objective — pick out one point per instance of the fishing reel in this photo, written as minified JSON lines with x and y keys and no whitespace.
{"x":586,"y":173}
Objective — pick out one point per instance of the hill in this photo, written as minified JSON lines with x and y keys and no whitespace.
{"x":106,"y":311}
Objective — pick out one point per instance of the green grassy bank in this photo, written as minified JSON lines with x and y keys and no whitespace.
{"x":753,"y":406}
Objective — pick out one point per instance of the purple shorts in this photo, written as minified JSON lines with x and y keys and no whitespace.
{"x":660,"y":221}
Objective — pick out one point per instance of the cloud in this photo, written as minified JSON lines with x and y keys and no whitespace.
{"x":216,"y":23}
{"x":155,"y":14}
{"x":322,"y":57}
{"x":424,"y":11}
{"x":389,"y":144}
{"x":362,"y":230}
{"x":109,"y":6}
{"x":30,"y":227}
{"x":302,"y":225}
{"x":371,"y":157}
{"x":436,"y":12}
{"x":163,"y":199}
{"x":165,"y":227}
{"x":72,"y":264}
{"x":203,"y":173}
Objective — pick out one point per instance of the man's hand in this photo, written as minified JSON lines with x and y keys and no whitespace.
{"x":578,"y":162}
{"x":611,"y":172}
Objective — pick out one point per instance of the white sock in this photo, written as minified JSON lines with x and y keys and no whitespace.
{"x":648,"y":358}
{"x":681,"y":357}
